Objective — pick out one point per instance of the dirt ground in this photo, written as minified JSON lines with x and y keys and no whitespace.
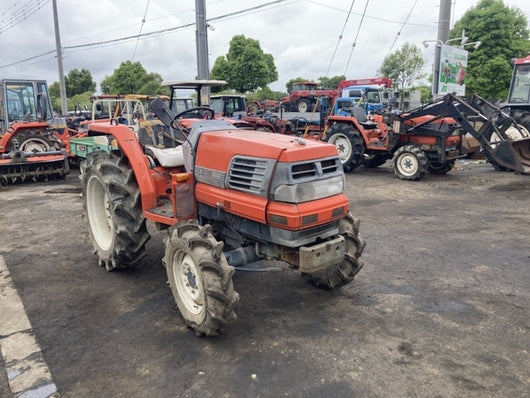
{"x":440,"y":309}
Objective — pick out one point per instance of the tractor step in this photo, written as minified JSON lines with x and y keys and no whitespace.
{"x":164,"y":208}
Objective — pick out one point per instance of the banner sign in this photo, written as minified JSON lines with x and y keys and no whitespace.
{"x":453,"y":65}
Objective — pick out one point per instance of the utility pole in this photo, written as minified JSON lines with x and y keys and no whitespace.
{"x":201,"y":36}
{"x":444,"y":20}
{"x":62,"y":88}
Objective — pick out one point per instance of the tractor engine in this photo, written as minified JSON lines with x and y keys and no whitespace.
{"x":271,"y":192}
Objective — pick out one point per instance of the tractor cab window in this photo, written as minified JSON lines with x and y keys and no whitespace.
{"x":44,"y":109}
{"x":21,"y":102}
{"x":217,"y":104}
{"x":373,"y":97}
{"x":520,"y":90}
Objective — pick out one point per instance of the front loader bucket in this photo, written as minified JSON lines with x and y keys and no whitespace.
{"x":514,"y":155}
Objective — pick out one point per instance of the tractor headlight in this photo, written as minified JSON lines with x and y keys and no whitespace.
{"x":307,"y":191}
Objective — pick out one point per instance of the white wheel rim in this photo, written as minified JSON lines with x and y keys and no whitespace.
{"x":407,"y":164}
{"x":189,"y":284}
{"x":512,"y":133}
{"x":35,"y":145}
{"x":98,"y":212}
{"x":343,"y":145}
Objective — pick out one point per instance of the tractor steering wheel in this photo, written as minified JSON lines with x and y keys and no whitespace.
{"x":199,"y":112}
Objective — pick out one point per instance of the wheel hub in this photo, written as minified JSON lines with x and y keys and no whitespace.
{"x":189,"y":285}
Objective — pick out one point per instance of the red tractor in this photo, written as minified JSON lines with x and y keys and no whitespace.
{"x":32,"y":141}
{"x":227,"y":197}
{"x":303,"y":96}
{"x":428,"y":138}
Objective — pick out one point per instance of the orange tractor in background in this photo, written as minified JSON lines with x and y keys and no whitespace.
{"x":227,"y":197}
{"x":427,"y":139}
{"x":32,"y":140}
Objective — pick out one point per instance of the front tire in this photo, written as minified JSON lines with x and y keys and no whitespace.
{"x":441,"y":168}
{"x":344,"y":273}
{"x":410,"y":163}
{"x":200,"y":278}
{"x":113,"y":212}
{"x":303,"y":106}
{"x":373,"y":161}
{"x":349,"y":144}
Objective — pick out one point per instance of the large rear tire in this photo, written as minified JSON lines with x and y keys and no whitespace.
{"x":343,"y":273}
{"x":113,"y":212}
{"x":200,"y":278}
{"x":410,"y":163}
{"x":349,"y":144}
{"x":34,"y":141}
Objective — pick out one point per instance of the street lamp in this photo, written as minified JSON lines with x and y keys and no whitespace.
{"x":437,"y":54}
{"x":463,"y":43}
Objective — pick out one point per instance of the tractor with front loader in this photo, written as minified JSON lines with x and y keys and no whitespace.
{"x":227,"y":197}
{"x":429,"y":138}
{"x":32,"y":141}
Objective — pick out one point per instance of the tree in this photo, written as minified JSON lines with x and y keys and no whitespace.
{"x":245,"y":67}
{"x":55,"y":95}
{"x":504,"y":34}
{"x":79,"y":82}
{"x":331,"y":82}
{"x":404,"y":67}
{"x":132,"y":78}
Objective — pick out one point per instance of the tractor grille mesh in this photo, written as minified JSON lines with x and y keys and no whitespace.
{"x":314,"y":169}
{"x":248,"y":175}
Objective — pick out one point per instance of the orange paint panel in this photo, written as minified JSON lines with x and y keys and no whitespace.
{"x":213,"y":153}
{"x":238,"y":203}
{"x":294,"y":213}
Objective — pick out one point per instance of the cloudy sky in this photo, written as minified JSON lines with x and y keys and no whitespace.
{"x":304,"y":36}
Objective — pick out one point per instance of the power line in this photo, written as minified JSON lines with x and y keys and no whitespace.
{"x":340,"y":37}
{"x":8,"y":21}
{"x":356,"y":36}
{"x":154,"y":33}
{"x":400,"y":29}
{"x":141,"y":27}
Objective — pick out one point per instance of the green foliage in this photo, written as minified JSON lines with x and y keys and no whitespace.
{"x":504,"y":34}
{"x":78,"y":82}
{"x":426,"y":93}
{"x":55,"y":95}
{"x":80,"y":101}
{"x":403,"y":66}
{"x":331,"y":82}
{"x":246,"y":67}
{"x":132,"y":78}
{"x":265,"y":94}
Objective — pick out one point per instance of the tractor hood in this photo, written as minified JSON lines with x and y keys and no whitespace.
{"x":215,"y":143}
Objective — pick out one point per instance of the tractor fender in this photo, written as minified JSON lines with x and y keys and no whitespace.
{"x":349,"y":121}
{"x":130,"y":147}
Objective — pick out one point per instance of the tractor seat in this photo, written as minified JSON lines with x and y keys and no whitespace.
{"x":359,"y":114}
{"x":167,"y":157}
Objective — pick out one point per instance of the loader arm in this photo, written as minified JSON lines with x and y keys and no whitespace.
{"x":492,"y":121}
